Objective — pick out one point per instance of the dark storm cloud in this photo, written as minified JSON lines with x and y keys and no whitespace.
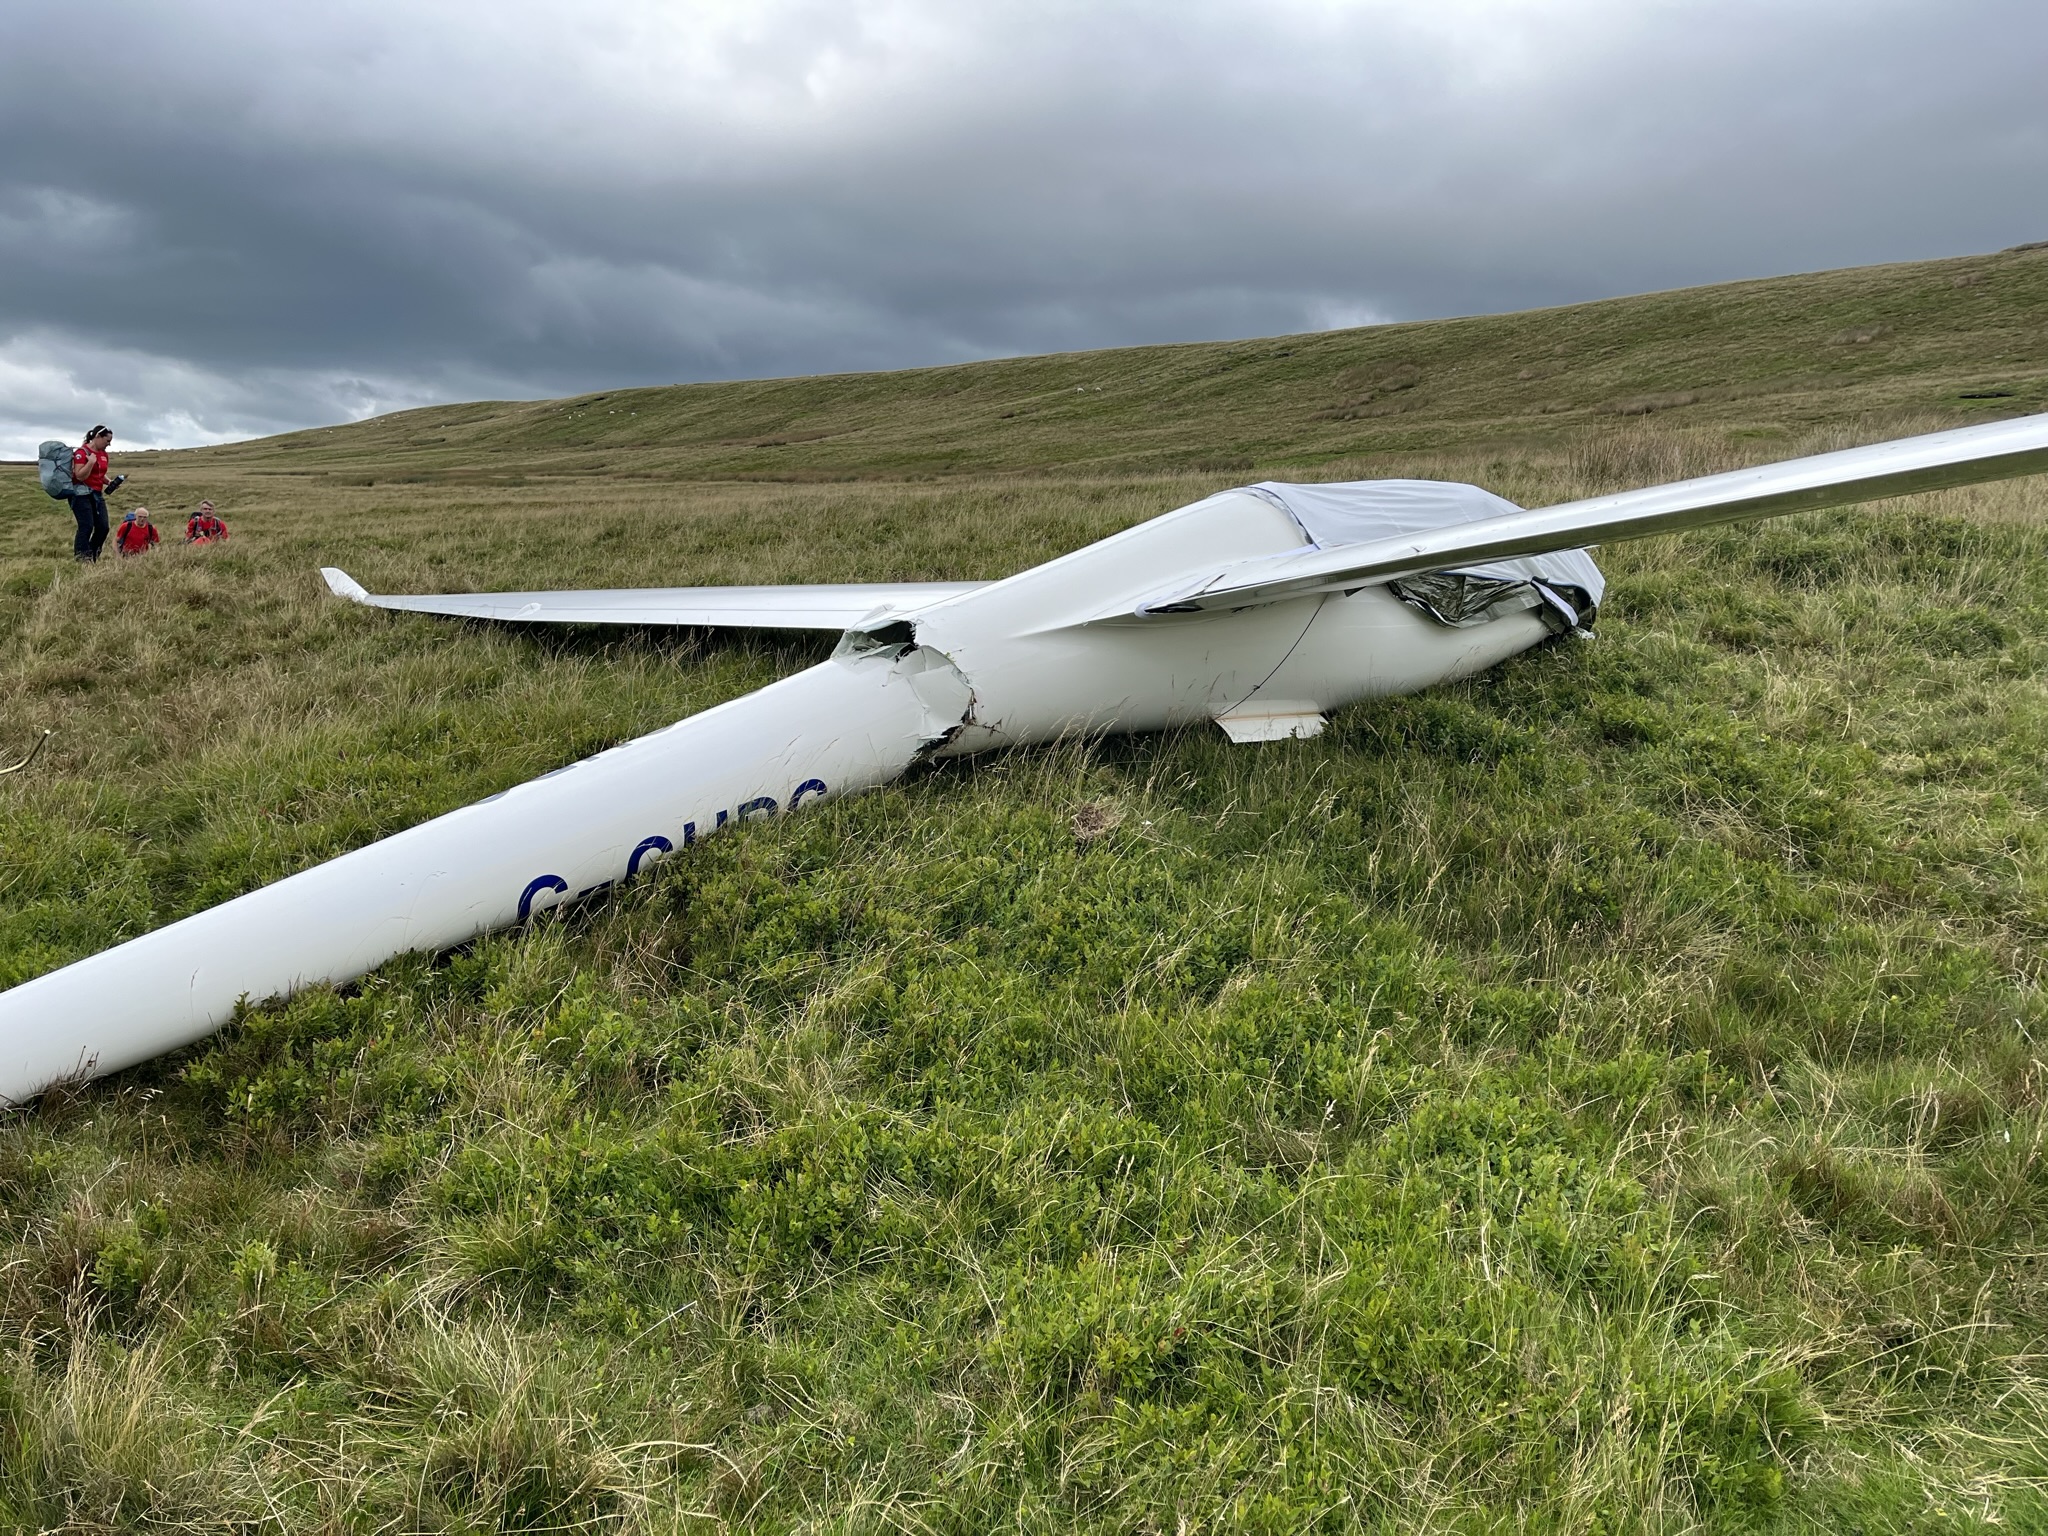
{"x":254,"y":217}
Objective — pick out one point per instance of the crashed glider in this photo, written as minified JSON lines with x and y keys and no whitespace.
{"x":1260,"y":609}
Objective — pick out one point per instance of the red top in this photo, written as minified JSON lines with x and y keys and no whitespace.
{"x":204,"y":528}
{"x":89,"y":468}
{"x":133,"y":537}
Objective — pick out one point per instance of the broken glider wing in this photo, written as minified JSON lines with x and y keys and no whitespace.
{"x":831,"y":607}
{"x":1964,"y":456}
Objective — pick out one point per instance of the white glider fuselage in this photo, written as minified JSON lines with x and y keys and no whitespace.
{"x":1043,"y":654}
{"x":1044,"y":663}
{"x":1260,"y":609}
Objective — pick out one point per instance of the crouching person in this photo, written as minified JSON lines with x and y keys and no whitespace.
{"x":203,"y":527}
{"x":136,"y":533}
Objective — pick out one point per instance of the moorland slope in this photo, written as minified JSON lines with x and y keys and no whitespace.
{"x":1774,"y":358}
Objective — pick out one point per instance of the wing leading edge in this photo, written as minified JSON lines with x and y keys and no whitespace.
{"x":828,"y":607}
{"x":1964,"y":456}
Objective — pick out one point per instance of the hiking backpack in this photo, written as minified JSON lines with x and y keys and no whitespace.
{"x":53,"y":464}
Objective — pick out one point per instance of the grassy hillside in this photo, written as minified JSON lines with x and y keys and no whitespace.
{"x":1771,"y":359}
{"x":1603,"y":1096}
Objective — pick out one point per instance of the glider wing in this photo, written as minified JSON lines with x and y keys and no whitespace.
{"x":817,"y":607}
{"x":1963,"y":456}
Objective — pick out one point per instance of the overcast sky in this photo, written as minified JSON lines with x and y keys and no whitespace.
{"x":244,"y":216}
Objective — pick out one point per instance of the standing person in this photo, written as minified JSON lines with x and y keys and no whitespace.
{"x":137,"y":533}
{"x":89,"y":500}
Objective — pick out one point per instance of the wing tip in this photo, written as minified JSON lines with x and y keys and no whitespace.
{"x":341,"y":584}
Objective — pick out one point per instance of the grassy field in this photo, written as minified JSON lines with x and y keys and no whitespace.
{"x":1604,"y":1096}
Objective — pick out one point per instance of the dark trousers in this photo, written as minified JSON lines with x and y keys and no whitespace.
{"x":90,"y":508}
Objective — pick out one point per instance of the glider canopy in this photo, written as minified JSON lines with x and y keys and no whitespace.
{"x":1963,"y":456}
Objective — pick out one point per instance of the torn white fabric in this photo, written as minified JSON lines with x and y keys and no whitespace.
{"x":1365,"y":511}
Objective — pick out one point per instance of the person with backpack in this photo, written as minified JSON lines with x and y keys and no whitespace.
{"x":137,"y":533}
{"x":80,"y":478}
{"x":203,"y":527}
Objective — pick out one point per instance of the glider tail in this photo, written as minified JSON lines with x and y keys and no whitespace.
{"x":849,"y":724}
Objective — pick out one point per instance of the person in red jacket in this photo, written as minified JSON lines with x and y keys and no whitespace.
{"x":89,"y":500}
{"x":137,"y":533}
{"x":202,"y":527}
